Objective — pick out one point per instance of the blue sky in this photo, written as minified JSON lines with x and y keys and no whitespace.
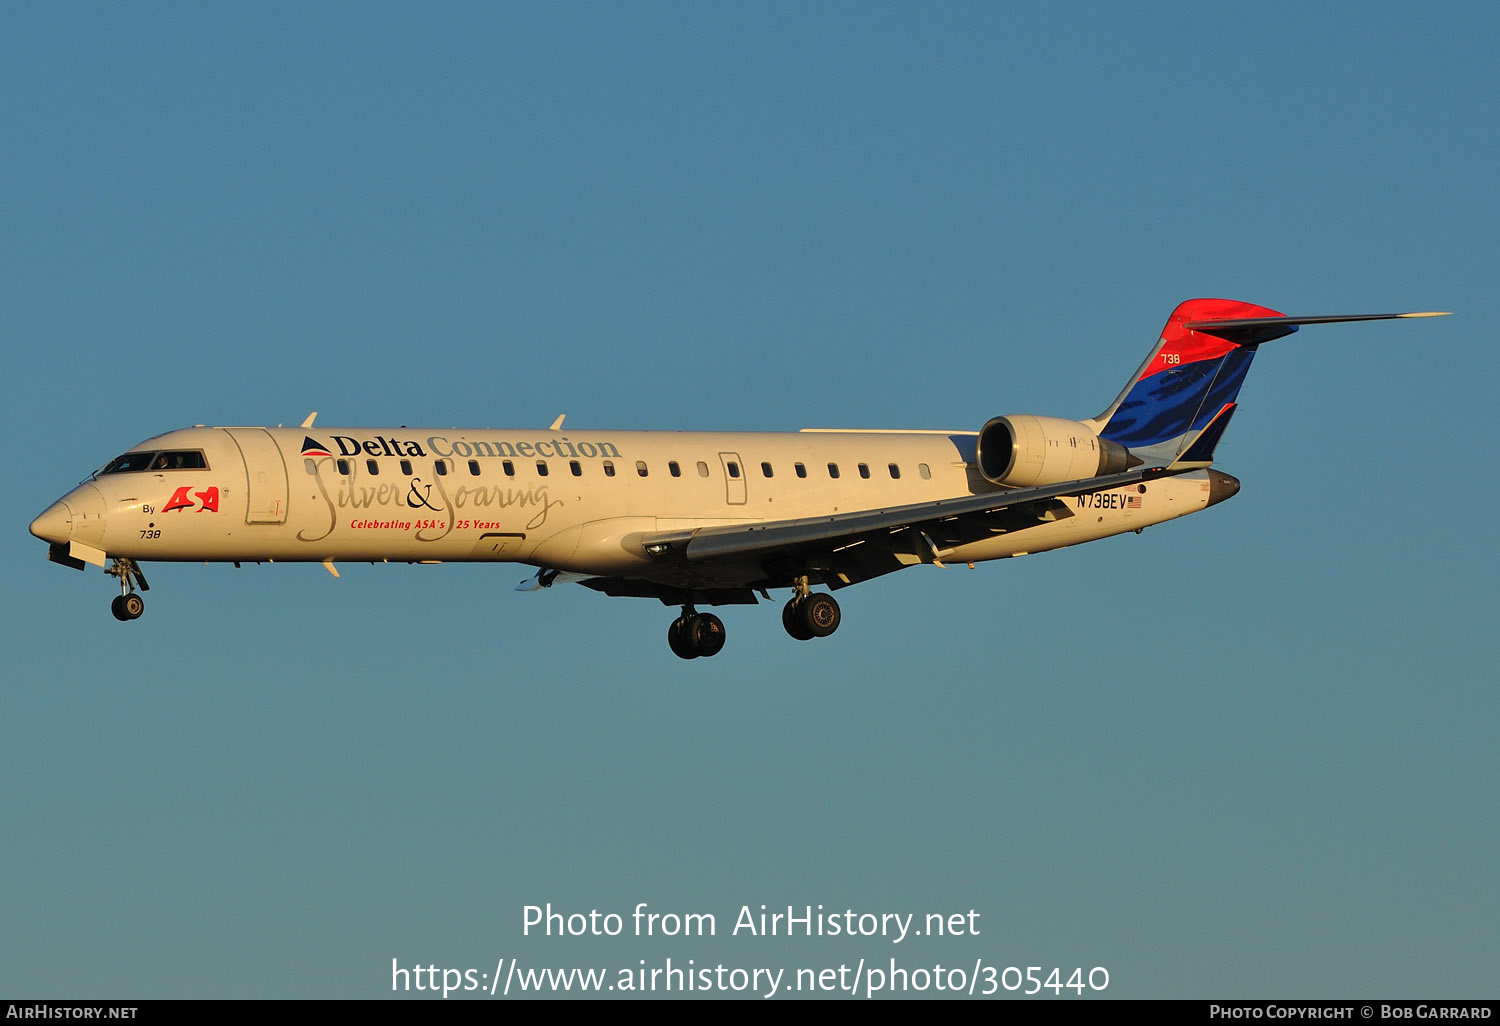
{"x":1248,"y":754}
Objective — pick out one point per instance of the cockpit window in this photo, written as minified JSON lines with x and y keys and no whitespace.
{"x":178,"y":459}
{"x":130,"y":461}
{"x":188,"y":459}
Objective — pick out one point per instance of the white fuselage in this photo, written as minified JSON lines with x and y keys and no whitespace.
{"x":577,"y":501}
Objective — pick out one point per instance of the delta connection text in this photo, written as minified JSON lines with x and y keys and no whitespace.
{"x":796,"y":921}
{"x":442,"y":447}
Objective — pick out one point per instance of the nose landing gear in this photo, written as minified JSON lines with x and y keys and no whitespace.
{"x":695,"y":634}
{"x":127,"y":605}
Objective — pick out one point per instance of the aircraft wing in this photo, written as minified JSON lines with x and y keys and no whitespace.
{"x":939,"y":518}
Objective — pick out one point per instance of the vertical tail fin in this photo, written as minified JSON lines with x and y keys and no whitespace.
{"x":1183,"y":395}
{"x":1190,"y":376}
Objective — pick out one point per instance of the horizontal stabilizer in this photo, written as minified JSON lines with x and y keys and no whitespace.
{"x":1254,"y":330}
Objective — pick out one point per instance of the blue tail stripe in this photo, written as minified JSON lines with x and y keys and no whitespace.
{"x":1169,"y":404}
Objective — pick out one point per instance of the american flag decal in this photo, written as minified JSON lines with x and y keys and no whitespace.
{"x":1132,"y":502}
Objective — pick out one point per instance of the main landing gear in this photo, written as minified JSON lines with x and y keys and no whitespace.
{"x":695,"y":634}
{"x":127,"y":605}
{"x":810,"y":615}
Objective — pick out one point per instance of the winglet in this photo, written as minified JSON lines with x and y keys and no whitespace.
{"x":310,"y":418}
{"x":557,"y":424}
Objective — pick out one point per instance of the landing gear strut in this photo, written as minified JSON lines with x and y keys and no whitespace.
{"x":695,"y":634}
{"x":810,"y":615}
{"x":128,"y":605}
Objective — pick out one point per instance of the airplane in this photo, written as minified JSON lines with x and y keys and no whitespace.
{"x":689,"y":518}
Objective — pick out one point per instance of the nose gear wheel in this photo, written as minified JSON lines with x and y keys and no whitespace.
{"x":127,"y":605}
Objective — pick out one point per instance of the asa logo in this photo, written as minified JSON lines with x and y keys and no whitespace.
{"x":180,"y":500}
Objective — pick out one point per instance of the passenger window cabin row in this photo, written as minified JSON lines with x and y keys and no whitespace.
{"x":543,"y":469}
{"x":193,"y":460}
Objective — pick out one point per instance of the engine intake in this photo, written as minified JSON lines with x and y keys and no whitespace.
{"x":1025,"y":450}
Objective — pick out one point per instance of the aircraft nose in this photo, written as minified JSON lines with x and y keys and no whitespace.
{"x":1221,"y":486}
{"x":77,"y":516}
{"x":55,"y":525}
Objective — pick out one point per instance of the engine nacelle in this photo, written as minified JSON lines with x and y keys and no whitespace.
{"x":1025,"y":451}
